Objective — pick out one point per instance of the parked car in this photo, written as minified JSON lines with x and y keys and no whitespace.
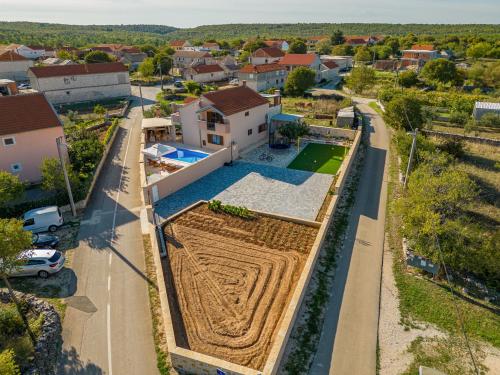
{"x":40,"y":240}
{"x":39,"y":262}
{"x":178,"y":84}
{"x":234,"y":82}
{"x":43,"y":219}
{"x":24,"y":86}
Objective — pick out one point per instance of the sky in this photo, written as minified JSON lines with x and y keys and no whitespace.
{"x":191,"y":13}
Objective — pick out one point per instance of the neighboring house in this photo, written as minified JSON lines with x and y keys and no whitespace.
{"x":310,"y":60}
{"x":185,"y":59}
{"x":280,"y":44}
{"x":32,"y":53}
{"x":210,"y":46}
{"x":14,"y":66}
{"x":179,"y":45}
{"x":263,"y":77}
{"x":205,"y":73}
{"x":329,"y":71}
{"x":237,"y":116}
{"x":229,"y":64}
{"x":266,"y":55}
{"x":419,"y":54}
{"x":387,"y":65}
{"x":355,"y":41}
{"x":22,"y":129}
{"x":344,"y":62}
{"x":133,"y":59}
{"x":83,"y":82}
{"x":482,"y":108}
{"x":313,"y":40}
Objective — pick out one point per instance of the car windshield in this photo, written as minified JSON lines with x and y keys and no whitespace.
{"x":55,"y":257}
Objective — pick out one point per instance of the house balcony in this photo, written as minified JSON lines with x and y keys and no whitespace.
{"x":221,"y":128}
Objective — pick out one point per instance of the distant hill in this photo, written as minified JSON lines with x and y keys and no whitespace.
{"x":77,"y":35}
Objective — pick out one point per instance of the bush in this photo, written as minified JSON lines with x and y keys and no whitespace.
{"x":300,"y":80}
{"x":8,"y":365}
{"x":404,"y":112}
{"x":242,"y":212}
{"x":408,"y":78}
{"x":490,"y":119}
{"x":110,"y":131}
{"x":459,"y":118}
{"x":11,"y":323}
{"x":454,"y":147}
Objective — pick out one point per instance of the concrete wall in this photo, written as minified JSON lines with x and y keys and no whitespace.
{"x":240,"y":124}
{"x":190,"y":127}
{"x":205,"y":77}
{"x":326,"y":131}
{"x":30,"y":157}
{"x":82,"y":87}
{"x":15,"y":70}
{"x":185,"y":176}
{"x":264,"y":81}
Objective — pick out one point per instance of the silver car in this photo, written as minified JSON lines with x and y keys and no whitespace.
{"x":39,"y":262}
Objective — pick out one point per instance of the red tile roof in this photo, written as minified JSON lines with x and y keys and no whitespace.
{"x":318,"y":38}
{"x":11,"y":56}
{"x":191,"y":54}
{"x":274,"y":43}
{"x":78,"y":69}
{"x":190,"y":99}
{"x":177,"y":43}
{"x":330,"y":64}
{"x":15,"y":118}
{"x":235,"y":100}
{"x":268,"y":52}
{"x":264,"y":68}
{"x":213,"y":68}
{"x":422,"y":47}
{"x":210,"y":44}
{"x":298,"y":59}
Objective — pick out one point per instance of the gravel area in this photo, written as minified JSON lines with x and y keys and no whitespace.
{"x":256,"y":186}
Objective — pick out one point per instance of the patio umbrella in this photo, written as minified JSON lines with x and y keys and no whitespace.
{"x":158,"y":150}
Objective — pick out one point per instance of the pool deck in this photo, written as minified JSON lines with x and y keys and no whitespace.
{"x":256,"y":186}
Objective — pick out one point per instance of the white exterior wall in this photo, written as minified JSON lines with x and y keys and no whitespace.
{"x":189,"y":123}
{"x":30,"y":53}
{"x":264,"y":81}
{"x":70,"y":89}
{"x":239,"y":125}
{"x":15,"y":70}
{"x":263,"y":60}
{"x":205,"y":77}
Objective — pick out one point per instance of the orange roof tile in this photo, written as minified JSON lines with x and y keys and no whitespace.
{"x":77,"y":69}
{"x":298,"y":59}
{"x":268,"y":52}
{"x":11,"y":56}
{"x":235,"y":100}
{"x":263,"y":68}
{"x":213,"y":68}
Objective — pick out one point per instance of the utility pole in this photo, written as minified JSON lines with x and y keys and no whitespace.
{"x":142,"y":101}
{"x":412,"y":154}
{"x":161,"y":75}
{"x":59,"y":143}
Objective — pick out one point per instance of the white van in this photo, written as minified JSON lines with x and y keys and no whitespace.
{"x":43,"y":219}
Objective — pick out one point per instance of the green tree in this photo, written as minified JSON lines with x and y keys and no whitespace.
{"x":11,"y":187}
{"x":293,"y":131}
{"x":408,"y":78}
{"x":297,"y":46}
{"x":164,"y":61}
{"x":383,"y":51}
{"x":361,"y":78}
{"x":393,"y":44}
{"x":479,"y":50}
{"x":323,"y":47}
{"x":337,"y":38}
{"x":253,"y":45}
{"x":300,"y":80}
{"x":490,"y":119}
{"x":192,"y":86}
{"x":147,"y":67}
{"x":342,"y":50}
{"x":94,"y":57}
{"x":53,"y":176}
{"x":363,"y":54}
{"x":66,"y":55}
{"x":8,"y":364}
{"x":404,"y":112}
{"x":149,"y":49}
{"x":442,"y":71}
{"x":14,"y":240}
{"x":459,"y":117}
{"x":167,"y":50}
{"x":243,"y":57}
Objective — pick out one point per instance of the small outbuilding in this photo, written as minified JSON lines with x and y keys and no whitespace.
{"x":159,"y":129}
{"x":482,"y":108}
{"x":345,"y":117}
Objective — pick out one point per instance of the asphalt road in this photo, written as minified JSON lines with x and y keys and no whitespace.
{"x":107,"y":328}
{"x":349,"y":336}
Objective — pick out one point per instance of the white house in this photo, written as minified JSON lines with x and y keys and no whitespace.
{"x":30,"y":52}
{"x":205,"y":73}
{"x":329,"y":70}
{"x":237,"y":116}
{"x":83,"y":82}
{"x":263,"y":77}
{"x":344,"y":62}
{"x":281,"y":44}
{"x":14,"y":66}
{"x":266,"y":55}
{"x":183,"y":59}
{"x":310,"y":60}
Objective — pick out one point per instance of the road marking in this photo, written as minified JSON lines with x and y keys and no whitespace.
{"x":108,"y":315}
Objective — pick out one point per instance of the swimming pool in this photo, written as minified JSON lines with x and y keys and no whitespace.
{"x":185,"y":155}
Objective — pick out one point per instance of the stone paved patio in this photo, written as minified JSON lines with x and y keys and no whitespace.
{"x":281,"y":158}
{"x":256,"y":186}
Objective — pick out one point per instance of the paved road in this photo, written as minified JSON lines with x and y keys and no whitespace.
{"x":107,"y":328}
{"x":349,"y":337}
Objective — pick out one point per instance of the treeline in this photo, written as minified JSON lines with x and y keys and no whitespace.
{"x":78,"y":36}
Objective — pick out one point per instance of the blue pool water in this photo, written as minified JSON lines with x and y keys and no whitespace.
{"x":185,"y":155}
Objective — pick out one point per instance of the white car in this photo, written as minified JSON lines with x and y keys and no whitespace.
{"x":234,"y":82}
{"x":39,"y":262}
{"x":43,"y":219}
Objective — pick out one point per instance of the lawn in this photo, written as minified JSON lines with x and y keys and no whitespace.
{"x":319,"y":158}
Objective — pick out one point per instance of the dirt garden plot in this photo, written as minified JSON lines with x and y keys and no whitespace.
{"x":229,"y":281}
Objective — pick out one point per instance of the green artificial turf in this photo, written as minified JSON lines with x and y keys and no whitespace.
{"x":319,"y":158}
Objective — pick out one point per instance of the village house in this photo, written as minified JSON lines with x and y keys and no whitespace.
{"x":32,"y":53}
{"x":232,"y":117}
{"x":210,"y":46}
{"x":292,"y":61}
{"x":313,"y":40}
{"x":418,"y":55}
{"x":355,"y":41}
{"x":205,"y":73}
{"x":14,"y":66}
{"x":263,"y":77}
{"x":179,"y":45}
{"x":81,"y":82}
{"x":344,"y":62}
{"x":266,"y":55}
{"x":21,"y":129}
{"x":229,"y":64}
{"x":329,"y":70}
{"x":280,"y":44}
{"x":185,"y":59}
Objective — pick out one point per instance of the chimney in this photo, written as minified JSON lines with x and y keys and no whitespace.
{"x":277,"y":97}
{"x":244,"y":83}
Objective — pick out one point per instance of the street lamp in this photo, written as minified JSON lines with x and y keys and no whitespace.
{"x":59,"y":142}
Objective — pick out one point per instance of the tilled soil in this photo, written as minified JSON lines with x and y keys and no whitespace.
{"x":231,"y":279}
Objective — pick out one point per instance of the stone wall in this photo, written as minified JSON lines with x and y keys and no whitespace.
{"x":49,"y":344}
{"x":326,"y":131}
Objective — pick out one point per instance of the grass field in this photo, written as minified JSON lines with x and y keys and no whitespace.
{"x":319,"y":158}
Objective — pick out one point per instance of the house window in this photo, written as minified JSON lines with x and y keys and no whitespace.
{"x":250,"y":131}
{"x":204,"y":143}
{"x":16,"y":167}
{"x":250,"y":76}
{"x":9,"y":141}
{"x":262,"y":127}
{"x":247,"y":114}
{"x":67,"y":92}
{"x":215,"y":139}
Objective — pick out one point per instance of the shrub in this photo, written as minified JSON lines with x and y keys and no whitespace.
{"x":454,"y":147}
{"x":8,"y":365}
{"x":110,"y":131}
{"x":459,"y":118}
{"x":404,"y":112}
{"x":11,"y":323}
{"x":239,"y":211}
{"x":490,"y":119}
